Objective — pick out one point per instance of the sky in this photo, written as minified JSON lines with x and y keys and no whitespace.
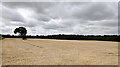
{"x":49,"y":18}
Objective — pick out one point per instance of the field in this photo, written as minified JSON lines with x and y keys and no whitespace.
{"x":58,"y":52}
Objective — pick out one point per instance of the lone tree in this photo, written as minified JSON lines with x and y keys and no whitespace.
{"x":22,"y":31}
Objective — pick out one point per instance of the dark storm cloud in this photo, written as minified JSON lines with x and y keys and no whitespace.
{"x":65,"y":17}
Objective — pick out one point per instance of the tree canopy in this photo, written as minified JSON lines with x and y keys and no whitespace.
{"x":21,"y":30}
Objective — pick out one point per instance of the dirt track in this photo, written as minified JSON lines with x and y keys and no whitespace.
{"x":58,"y":52}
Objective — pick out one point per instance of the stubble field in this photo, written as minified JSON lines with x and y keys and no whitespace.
{"x":58,"y":52}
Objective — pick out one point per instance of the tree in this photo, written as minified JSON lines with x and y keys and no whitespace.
{"x":21,"y":30}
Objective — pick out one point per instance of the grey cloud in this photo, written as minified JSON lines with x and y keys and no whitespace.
{"x":96,"y":11}
{"x":105,"y":23}
{"x":113,"y":30}
{"x":11,"y":14}
{"x":37,"y":6}
{"x":42,"y":17}
{"x":65,"y":17}
{"x":111,"y":24}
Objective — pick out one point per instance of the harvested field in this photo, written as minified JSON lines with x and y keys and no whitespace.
{"x":58,"y":52}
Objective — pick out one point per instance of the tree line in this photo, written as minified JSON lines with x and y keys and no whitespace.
{"x":71,"y":37}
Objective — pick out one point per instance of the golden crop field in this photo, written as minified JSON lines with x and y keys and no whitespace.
{"x":58,"y":52}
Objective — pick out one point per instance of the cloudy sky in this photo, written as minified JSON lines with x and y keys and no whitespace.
{"x":43,"y":18}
